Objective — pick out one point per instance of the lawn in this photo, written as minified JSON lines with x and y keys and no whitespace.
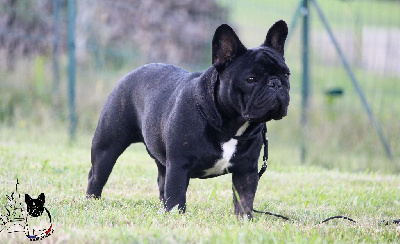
{"x":129,"y":211}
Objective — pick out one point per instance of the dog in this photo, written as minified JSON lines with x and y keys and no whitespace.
{"x":197,"y":125}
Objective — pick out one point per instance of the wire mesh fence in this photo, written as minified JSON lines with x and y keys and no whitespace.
{"x":114,"y":37}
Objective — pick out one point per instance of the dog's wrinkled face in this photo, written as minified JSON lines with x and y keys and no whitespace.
{"x":261,"y":91}
{"x":253,"y":82}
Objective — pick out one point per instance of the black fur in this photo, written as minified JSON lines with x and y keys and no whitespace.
{"x":184,"y":118}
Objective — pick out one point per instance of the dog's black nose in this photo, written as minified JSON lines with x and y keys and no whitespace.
{"x":275,"y":82}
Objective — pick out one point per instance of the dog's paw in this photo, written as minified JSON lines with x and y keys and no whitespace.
{"x":92,"y":196}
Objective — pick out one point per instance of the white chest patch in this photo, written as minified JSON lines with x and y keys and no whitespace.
{"x":228,"y":149}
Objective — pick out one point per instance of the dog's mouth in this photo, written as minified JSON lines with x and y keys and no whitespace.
{"x":276,"y":114}
{"x":265,"y":105}
{"x":280,"y":112}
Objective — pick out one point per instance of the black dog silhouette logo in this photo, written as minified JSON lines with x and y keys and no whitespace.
{"x":32,"y":218}
{"x":38,"y":221}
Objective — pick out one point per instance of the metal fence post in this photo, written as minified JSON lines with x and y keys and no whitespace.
{"x":305,"y":81}
{"x":71,"y":67}
{"x":56,"y":56}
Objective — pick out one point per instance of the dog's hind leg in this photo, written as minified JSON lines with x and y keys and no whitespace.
{"x":104,"y":155}
{"x":161,"y":180}
{"x":115,"y":131}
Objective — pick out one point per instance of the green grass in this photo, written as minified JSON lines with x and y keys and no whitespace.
{"x":130,"y":211}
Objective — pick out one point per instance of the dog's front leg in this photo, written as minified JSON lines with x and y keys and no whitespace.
{"x":244,"y":188}
{"x":176,"y":183}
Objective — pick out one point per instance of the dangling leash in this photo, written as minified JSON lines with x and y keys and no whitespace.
{"x":265,"y":156}
{"x":264,"y":168}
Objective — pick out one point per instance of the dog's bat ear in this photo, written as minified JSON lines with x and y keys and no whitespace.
{"x":225,"y":47}
{"x":276,"y":36}
{"x":41,"y":197}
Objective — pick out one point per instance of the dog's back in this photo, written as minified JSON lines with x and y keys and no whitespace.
{"x":132,"y":108}
{"x":139,"y":94}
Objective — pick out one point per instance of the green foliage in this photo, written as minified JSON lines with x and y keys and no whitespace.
{"x":26,"y":96}
{"x":339,"y":129}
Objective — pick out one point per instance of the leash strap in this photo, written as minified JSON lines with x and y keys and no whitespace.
{"x":264,"y":168}
{"x":265,"y":156}
{"x":269,"y":213}
{"x":387,"y":222}
{"x":337,"y":217}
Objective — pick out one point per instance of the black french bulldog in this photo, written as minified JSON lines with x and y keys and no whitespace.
{"x":197,"y":125}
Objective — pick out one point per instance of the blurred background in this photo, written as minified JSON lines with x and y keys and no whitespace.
{"x":52,"y":49}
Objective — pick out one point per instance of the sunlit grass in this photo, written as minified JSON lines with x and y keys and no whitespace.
{"x":130,"y":211}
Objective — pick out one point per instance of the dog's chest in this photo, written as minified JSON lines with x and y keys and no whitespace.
{"x":228,"y":150}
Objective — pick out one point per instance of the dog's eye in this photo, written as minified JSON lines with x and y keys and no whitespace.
{"x":287,"y":75}
{"x":251,"y":80}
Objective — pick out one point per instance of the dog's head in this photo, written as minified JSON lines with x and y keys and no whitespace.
{"x":35,"y":207}
{"x":253,"y":83}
